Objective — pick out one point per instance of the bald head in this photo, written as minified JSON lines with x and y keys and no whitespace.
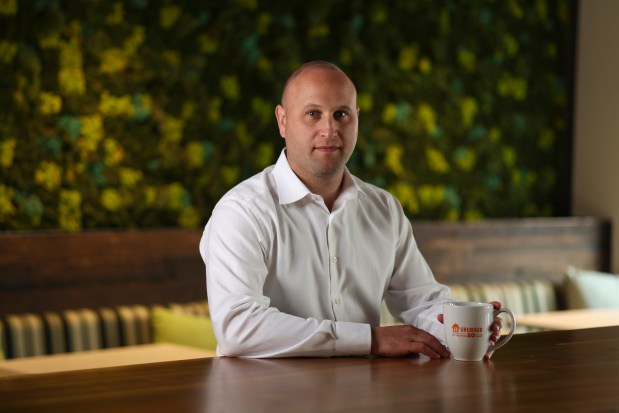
{"x":313,"y":65}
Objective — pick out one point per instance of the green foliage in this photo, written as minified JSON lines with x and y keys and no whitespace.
{"x":143,"y":113}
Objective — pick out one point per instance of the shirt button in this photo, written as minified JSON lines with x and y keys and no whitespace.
{"x":338,"y":301}
{"x":333,"y":259}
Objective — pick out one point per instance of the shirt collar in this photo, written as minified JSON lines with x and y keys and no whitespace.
{"x":291,"y":189}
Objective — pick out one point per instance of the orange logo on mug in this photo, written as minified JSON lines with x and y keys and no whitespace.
{"x":466,"y":331}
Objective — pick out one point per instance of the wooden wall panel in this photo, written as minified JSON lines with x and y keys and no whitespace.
{"x":50,"y":271}
{"x":513,"y":249}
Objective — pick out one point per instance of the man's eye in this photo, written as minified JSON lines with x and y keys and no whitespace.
{"x":340,"y":114}
{"x":313,"y":114}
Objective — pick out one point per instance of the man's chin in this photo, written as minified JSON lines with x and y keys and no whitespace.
{"x":330,"y":170}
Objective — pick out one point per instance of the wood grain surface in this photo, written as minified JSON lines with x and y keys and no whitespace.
{"x":558,"y":371}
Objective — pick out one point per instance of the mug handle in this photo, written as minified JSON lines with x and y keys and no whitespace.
{"x":503,"y":340}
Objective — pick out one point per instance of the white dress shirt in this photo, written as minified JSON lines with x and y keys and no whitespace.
{"x":286,"y":277}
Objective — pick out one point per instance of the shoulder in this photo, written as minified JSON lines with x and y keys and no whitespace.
{"x":250,"y":204}
{"x":376,"y":195}
{"x":254,"y":190}
{"x":384,"y":208}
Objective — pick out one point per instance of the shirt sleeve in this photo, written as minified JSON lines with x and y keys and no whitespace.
{"x":414,"y":296}
{"x":234,"y":250}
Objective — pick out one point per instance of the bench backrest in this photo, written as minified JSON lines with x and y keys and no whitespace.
{"x":51,"y":271}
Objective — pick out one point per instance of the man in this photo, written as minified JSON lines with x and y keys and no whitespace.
{"x":299,"y":257}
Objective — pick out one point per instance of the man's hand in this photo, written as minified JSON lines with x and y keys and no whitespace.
{"x":401,"y":340}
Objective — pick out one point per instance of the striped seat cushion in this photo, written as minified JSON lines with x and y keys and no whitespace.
{"x":522,"y":297}
{"x":30,"y":334}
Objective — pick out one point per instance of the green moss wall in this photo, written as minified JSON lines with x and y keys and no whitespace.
{"x":142,"y":113}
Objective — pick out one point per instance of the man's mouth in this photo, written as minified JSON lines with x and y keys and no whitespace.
{"x":327,"y":148}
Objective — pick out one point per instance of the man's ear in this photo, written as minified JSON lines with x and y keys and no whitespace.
{"x":280,"y":115}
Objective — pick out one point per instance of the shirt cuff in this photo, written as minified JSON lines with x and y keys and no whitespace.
{"x":352,"y":339}
{"x":428,"y":321}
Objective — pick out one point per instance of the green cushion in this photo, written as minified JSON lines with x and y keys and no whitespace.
{"x":176,"y":327}
{"x":591,"y":289}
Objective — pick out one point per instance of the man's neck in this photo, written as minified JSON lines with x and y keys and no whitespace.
{"x":329,"y":188}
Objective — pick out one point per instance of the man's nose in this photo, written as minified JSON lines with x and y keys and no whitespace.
{"x":328,"y":126}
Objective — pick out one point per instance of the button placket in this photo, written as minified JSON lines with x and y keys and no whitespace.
{"x":334,"y":271}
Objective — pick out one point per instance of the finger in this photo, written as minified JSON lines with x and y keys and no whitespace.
{"x":424,"y":349}
{"x":440,"y":318}
{"x":496,"y":329}
{"x":496,"y":305}
{"x":498,"y":325}
{"x":430,"y":345}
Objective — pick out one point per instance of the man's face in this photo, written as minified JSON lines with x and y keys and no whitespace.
{"x":319,"y":121}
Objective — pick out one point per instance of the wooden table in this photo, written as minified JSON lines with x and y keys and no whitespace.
{"x":111,"y":357}
{"x":556,"y":371}
{"x":571,"y":319}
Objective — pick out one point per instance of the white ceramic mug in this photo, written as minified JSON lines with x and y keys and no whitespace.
{"x":468,"y":329}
